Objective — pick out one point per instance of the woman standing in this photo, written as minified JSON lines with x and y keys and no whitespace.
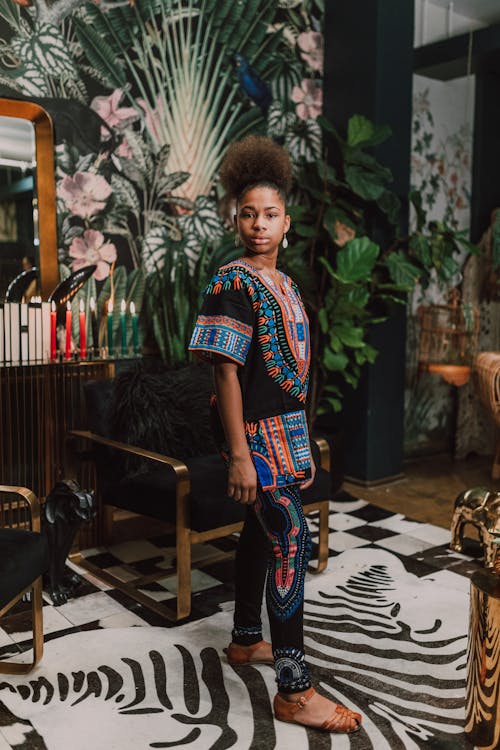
{"x":254,"y":330}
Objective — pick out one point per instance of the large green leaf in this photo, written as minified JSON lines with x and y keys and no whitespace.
{"x":205,"y":222}
{"x":334,"y":361}
{"x":46,"y":49}
{"x":420,"y":246}
{"x":11,"y":13}
{"x":125,"y":193}
{"x":390,"y":204}
{"x":416,"y":202}
{"x":304,"y":141}
{"x":333,"y":214}
{"x":363,"y":132}
{"x":154,"y":249}
{"x":33,"y":81}
{"x":356,"y":259}
{"x":279,"y":121}
{"x":358,"y":296}
{"x":363,"y":183}
{"x":136,"y":287}
{"x":402,"y":271}
{"x":351,"y":336}
{"x":171,"y":181}
{"x":100,"y":54}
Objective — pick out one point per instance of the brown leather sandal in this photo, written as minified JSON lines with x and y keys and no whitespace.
{"x":340,"y":722}
{"x":240,"y":655}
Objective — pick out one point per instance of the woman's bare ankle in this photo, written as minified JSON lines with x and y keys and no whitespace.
{"x":293,"y":697}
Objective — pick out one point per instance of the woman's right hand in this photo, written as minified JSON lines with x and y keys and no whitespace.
{"x":242,"y":479}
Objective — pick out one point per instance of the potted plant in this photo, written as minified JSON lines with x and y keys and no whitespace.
{"x":349,"y":282}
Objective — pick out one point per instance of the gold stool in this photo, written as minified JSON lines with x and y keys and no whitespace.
{"x":482,"y":722}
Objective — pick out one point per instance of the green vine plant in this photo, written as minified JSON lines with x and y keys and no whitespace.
{"x":349,"y":282}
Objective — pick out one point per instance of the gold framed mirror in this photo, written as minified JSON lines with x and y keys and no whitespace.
{"x":41,"y":171}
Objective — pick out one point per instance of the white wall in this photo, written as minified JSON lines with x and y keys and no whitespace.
{"x":434,"y":22}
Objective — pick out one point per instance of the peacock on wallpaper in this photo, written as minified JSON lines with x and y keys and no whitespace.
{"x":172,"y":82}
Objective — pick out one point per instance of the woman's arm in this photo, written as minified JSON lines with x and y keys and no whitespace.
{"x":242,"y":479}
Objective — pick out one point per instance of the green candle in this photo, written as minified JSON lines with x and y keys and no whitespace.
{"x":135,"y":332}
{"x":123,"y":328}
{"x":110,"y":328}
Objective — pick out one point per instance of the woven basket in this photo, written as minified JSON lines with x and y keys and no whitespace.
{"x":487,"y":382}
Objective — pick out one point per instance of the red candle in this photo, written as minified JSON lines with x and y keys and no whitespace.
{"x":83,"y":332}
{"x":68,"y":331}
{"x":53,"y":329}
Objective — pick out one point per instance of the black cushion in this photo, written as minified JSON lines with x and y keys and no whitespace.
{"x":153,"y":493}
{"x":166,"y":411}
{"x":24,"y":556}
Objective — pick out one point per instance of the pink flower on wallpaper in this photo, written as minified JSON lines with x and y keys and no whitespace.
{"x":91,"y":249}
{"x":309,"y":99}
{"x":311,"y":49}
{"x":124,"y":151}
{"x":85,"y":193}
{"x":115,"y":116}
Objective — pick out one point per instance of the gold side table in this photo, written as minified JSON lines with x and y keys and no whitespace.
{"x":482,"y":722}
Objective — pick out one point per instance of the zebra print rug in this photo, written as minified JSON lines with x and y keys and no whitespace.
{"x":379,"y":638}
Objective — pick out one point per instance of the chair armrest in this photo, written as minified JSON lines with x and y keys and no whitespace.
{"x":180,"y":468}
{"x":324,"y":452}
{"x":30,"y":499}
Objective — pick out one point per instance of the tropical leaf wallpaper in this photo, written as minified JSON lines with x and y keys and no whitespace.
{"x":173,"y":83}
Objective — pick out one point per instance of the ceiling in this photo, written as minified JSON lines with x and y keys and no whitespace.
{"x":487,"y":11}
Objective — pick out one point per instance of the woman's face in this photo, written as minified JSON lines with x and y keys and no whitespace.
{"x":261,"y":220}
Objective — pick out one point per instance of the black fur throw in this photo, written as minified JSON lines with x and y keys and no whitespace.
{"x":166,"y":411}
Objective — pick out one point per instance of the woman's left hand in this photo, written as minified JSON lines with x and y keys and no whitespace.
{"x":308,"y":482}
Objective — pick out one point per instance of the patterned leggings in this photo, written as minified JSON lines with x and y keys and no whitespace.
{"x":275,"y":541}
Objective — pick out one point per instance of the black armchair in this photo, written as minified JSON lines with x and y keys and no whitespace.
{"x":187,"y":491}
{"x":24,"y":558}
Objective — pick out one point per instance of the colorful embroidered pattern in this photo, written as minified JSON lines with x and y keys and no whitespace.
{"x":282,"y":325}
{"x":220,"y":334}
{"x":292,"y":673}
{"x":246,"y":636}
{"x":291,"y":542}
{"x":280,"y":449}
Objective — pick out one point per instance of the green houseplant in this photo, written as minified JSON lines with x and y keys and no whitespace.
{"x":349,"y":282}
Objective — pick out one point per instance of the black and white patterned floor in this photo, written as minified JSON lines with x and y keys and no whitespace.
{"x":385,"y":630}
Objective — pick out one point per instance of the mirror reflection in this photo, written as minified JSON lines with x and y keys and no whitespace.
{"x":19,"y":241}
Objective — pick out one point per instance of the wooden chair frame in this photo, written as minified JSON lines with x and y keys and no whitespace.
{"x":34,"y":589}
{"x":185,"y":536}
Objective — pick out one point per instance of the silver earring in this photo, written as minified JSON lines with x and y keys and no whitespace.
{"x":285,"y":242}
{"x":237,"y":240}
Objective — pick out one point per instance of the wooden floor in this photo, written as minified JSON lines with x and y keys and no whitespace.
{"x":429,"y":487}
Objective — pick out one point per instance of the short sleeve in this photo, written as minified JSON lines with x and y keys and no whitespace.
{"x":225,"y":323}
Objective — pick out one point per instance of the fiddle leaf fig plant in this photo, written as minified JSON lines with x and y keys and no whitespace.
{"x":349,"y":283}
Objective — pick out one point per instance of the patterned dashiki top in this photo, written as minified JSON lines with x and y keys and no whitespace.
{"x":263,"y":327}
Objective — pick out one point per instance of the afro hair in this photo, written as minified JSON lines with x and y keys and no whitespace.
{"x":256,"y":160}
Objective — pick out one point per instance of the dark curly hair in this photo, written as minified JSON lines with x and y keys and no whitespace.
{"x":256,"y":161}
